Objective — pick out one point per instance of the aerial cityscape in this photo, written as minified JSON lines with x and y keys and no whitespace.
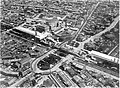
{"x":59,"y":44}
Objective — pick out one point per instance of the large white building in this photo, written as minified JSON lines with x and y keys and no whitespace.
{"x":32,"y":32}
{"x":105,"y":57}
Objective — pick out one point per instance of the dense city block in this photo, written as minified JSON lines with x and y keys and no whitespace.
{"x":59,"y":43}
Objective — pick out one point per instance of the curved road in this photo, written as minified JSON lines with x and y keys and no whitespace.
{"x":37,"y":70}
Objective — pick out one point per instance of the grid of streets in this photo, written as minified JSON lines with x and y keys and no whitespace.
{"x":59,"y":43}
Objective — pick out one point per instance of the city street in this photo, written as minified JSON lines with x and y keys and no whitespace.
{"x":59,"y":43}
{"x":107,"y":29}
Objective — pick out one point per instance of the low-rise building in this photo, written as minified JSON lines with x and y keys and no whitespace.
{"x":105,"y":57}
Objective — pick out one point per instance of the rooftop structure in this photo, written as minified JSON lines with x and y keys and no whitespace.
{"x":105,"y":57}
{"x":33,"y":32}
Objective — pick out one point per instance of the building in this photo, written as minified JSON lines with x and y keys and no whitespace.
{"x":105,"y":57}
{"x":38,"y":30}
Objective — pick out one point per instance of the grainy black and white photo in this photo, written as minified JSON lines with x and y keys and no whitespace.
{"x":59,"y":43}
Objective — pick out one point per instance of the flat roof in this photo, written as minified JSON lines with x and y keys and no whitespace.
{"x":106,"y":57}
{"x":26,"y":30}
